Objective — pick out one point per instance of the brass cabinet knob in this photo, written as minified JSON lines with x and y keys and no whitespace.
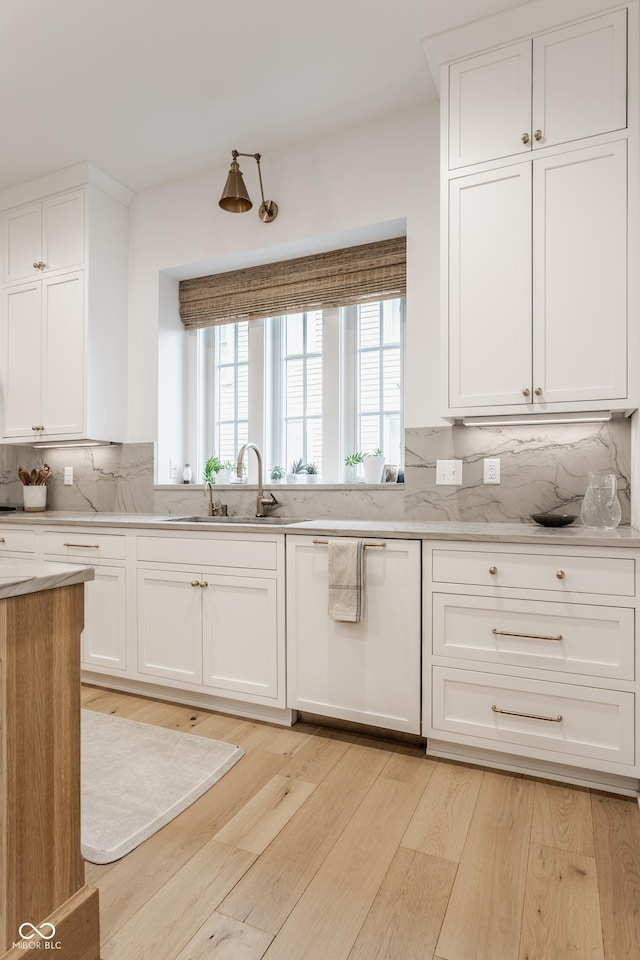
{"x":493,"y":571}
{"x":538,"y":391}
{"x":560,"y":574}
{"x":525,"y":138}
{"x":39,"y":265}
{"x":38,"y":426}
{"x":526,"y":392}
{"x":204,"y":583}
{"x":538,"y":134}
{"x":195,"y":583}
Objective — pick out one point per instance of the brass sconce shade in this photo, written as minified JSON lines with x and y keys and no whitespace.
{"x":235,"y":196}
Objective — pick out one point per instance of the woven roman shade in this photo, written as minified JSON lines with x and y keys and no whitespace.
{"x":373,"y":271}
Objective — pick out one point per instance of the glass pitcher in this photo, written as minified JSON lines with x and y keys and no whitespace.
{"x":600,"y":507}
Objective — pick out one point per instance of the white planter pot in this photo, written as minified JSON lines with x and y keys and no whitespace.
{"x":312,"y":478}
{"x":373,"y":467}
{"x":292,"y":478}
{"x":223,"y":476}
{"x":35,"y":498}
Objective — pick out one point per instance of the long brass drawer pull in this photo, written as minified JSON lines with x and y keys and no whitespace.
{"x":527,"y":636}
{"x":366,"y":545}
{"x":529,"y":716}
{"x":83,"y":546}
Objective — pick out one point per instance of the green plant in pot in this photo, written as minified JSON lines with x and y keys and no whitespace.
{"x":374,"y":466}
{"x":277,"y":473}
{"x":212,"y":468}
{"x":352,"y":462}
{"x":311,"y":471}
{"x":296,"y":469}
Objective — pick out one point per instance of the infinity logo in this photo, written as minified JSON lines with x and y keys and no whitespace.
{"x":36,"y":931}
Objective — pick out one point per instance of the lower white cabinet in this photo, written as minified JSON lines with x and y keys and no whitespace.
{"x":529,"y":651}
{"x":368,"y":672}
{"x":104,"y":638}
{"x":216,"y":628}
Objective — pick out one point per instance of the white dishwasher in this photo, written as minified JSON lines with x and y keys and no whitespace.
{"x":368,"y":672}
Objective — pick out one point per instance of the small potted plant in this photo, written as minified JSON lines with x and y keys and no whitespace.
{"x":352,"y":461}
{"x":312,"y":472}
{"x":277,"y":473}
{"x":224,"y":473}
{"x":212,"y":468}
{"x":296,"y":470}
{"x":373,"y":466}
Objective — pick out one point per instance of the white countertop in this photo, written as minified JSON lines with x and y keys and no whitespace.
{"x":526,"y":532}
{"x":18,"y":577}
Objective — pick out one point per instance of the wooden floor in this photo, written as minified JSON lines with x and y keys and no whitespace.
{"x":322,"y":845}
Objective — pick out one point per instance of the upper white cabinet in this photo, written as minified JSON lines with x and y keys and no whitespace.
{"x":540,"y":223}
{"x":556,"y":88}
{"x":64,"y":317}
{"x":538,"y":282}
{"x":43,"y":237}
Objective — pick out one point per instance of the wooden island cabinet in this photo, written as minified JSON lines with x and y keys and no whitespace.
{"x":43,"y":896}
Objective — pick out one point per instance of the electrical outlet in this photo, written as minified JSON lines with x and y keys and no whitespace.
{"x":173,"y":469}
{"x":491,"y":472}
{"x":68,"y":476}
{"x":449,"y":473}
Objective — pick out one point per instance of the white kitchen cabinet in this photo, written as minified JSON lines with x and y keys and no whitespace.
{"x":19,"y":542}
{"x":553,"y":89}
{"x":529,"y":658}
{"x":217,"y":627}
{"x":65,"y":329}
{"x":44,"y":237}
{"x":104,"y":638}
{"x":44,"y":346}
{"x":538,"y":283}
{"x":368,"y":672}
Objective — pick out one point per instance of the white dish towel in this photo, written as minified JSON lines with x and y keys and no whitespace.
{"x":346,"y":579}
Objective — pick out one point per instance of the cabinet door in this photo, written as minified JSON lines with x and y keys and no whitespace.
{"x":104,"y":639}
{"x":490,"y":288}
{"x":22,"y":315}
{"x":63,"y":354}
{"x":63,"y":226}
{"x":580,"y":80}
{"x":580,"y":275}
{"x":240,"y":636}
{"x":170,"y":625}
{"x":368,"y":672}
{"x":42,"y":237}
{"x":22,"y":242}
{"x":490,"y":105}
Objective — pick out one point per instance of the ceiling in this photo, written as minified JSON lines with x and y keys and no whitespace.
{"x":154,"y":90}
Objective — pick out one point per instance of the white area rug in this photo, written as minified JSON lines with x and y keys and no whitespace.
{"x":137,"y":777}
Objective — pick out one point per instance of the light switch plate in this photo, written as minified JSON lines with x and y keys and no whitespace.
{"x":449,"y":473}
{"x":68,"y":476}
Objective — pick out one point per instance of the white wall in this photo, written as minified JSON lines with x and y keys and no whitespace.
{"x":357,"y":185}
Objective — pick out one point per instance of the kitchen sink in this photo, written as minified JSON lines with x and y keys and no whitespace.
{"x":270,"y":521}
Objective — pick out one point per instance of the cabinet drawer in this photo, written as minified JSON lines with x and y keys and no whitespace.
{"x":17,"y":541}
{"x":560,"y":721}
{"x":86,"y":546}
{"x":209,"y":551}
{"x":566,"y":573}
{"x":594,"y":640}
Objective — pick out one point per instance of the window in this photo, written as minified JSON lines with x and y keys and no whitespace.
{"x":332,"y":385}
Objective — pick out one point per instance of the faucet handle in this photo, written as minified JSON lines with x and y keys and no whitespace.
{"x":271,"y":500}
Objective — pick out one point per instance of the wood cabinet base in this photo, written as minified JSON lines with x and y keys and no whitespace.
{"x":77,"y":927}
{"x":41,"y":866}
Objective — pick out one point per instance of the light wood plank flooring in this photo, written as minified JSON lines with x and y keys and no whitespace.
{"x":326,"y":845}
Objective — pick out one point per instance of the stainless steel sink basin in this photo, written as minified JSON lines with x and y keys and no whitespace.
{"x":269,"y":521}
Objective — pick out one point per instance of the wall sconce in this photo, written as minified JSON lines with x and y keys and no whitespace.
{"x":235,"y":198}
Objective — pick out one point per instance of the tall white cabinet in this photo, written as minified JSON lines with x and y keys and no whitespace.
{"x":539,"y":205}
{"x":64,"y":310}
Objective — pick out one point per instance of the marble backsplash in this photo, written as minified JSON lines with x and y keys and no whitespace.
{"x":542,"y":468}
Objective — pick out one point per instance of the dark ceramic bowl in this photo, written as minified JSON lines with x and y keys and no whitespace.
{"x":554,"y":519}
